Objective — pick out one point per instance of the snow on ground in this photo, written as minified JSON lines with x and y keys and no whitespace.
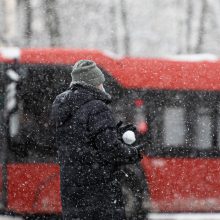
{"x":9,"y":218}
{"x":155,"y":216}
{"x":185,"y":216}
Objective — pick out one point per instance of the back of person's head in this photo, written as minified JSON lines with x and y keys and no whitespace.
{"x":86,"y":71}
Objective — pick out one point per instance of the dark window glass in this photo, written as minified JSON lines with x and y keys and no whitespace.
{"x":218,"y":127}
{"x":35,"y":141}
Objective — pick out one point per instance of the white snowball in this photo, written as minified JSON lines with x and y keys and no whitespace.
{"x":129,"y":137}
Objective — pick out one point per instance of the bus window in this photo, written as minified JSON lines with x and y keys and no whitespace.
{"x":37,"y":90}
{"x":203,"y":129}
{"x":174,"y":126}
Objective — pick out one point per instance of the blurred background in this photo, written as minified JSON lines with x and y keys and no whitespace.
{"x":175,"y":105}
{"x":143,"y":28}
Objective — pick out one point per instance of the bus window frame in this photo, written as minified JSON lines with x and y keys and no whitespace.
{"x":190,"y":100}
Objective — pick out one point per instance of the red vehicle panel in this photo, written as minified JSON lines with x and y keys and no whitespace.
{"x":34,"y":188}
{"x":181,"y":184}
{"x":171,"y":75}
{"x":143,"y":73}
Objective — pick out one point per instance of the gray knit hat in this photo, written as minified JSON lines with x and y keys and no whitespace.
{"x":88,"y":72}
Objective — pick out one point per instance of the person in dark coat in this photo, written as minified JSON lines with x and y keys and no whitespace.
{"x":89,"y":150}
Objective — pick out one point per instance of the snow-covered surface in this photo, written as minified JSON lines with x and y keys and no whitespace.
{"x":9,"y":218}
{"x":154,"y":216}
{"x":112,"y":54}
{"x":10,"y":52}
{"x":185,"y":216}
{"x":193,"y":57}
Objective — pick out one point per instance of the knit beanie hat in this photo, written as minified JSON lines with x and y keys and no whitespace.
{"x":88,"y":72}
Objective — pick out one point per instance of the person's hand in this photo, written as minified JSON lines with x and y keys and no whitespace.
{"x":140,"y":150}
{"x":123,"y":128}
{"x":126,"y":133}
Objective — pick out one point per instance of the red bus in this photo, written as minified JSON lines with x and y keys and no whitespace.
{"x":174,"y":104}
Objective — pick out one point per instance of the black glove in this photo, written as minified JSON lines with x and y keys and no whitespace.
{"x":140,"y":150}
{"x":122,"y":129}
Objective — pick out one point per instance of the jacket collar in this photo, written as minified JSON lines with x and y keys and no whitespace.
{"x":95,"y":92}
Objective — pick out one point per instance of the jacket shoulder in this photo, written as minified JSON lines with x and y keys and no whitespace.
{"x":62,"y":97}
{"x":96,"y":106}
{"x":100,"y":116}
{"x":61,"y":108}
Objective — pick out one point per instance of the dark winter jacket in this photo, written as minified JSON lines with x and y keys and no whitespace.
{"x":89,"y":151}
